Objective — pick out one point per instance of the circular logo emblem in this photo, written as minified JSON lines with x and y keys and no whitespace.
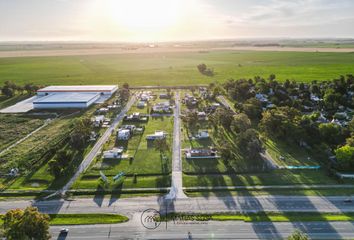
{"x":150,"y":218}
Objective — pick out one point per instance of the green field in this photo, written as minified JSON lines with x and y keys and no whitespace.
{"x":174,"y":68}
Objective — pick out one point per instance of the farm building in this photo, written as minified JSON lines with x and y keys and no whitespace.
{"x":53,"y":97}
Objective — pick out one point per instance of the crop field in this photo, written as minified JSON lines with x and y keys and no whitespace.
{"x":14,"y":128}
{"x":174,"y":68}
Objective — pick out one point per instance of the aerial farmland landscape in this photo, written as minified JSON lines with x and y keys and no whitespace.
{"x":176,"y":119}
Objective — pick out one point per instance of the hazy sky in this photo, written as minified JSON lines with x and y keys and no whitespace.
{"x":159,"y":20}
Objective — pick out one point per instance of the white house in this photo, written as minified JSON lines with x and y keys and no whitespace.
{"x":98,"y":120}
{"x":156,"y":135}
{"x":201,"y":153}
{"x":141,"y":104}
{"x":162,"y":107}
{"x":202,"y":116}
{"x":113,"y":153}
{"x":203,"y":134}
{"x":123,"y":134}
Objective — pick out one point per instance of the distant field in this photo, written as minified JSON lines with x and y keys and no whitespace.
{"x":174,"y":67}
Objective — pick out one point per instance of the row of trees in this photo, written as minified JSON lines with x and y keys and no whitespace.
{"x":79,"y":139}
{"x":9,"y":89}
{"x":203,"y":69}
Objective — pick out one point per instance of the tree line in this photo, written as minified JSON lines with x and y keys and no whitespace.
{"x":9,"y":89}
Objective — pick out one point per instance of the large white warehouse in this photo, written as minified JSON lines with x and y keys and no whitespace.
{"x":53,"y":97}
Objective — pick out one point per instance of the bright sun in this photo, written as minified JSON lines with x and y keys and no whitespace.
{"x":144,"y":15}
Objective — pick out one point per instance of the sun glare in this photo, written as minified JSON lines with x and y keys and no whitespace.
{"x":146,"y":16}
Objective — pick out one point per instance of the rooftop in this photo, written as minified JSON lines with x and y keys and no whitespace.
{"x":79,"y":88}
{"x":67,"y":98}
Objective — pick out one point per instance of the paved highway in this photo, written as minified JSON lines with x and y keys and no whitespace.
{"x":209,"y":230}
{"x":129,"y":206}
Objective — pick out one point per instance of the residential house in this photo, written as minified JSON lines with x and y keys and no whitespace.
{"x":113,"y":153}
{"x":97,"y":121}
{"x":124,"y":134}
{"x":102,"y":110}
{"x":141,"y":104}
{"x":202,"y":134}
{"x":202,"y":153}
{"x":202,"y":116}
{"x":156,"y":135}
{"x":163,"y":107}
{"x":164,"y":96}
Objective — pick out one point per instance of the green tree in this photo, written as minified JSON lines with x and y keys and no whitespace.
{"x":331,"y":133}
{"x":26,"y":224}
{"x":81,"y":133}
{"x":253,"y":108}
{"x":190,"y":118}
{"x":249,"y":143}
{"x":345,"y":157}
{"x":161,"y":145}
{"x":331,"y":98}
{"x":224,"y":117}
{"x":54,"y":168}
{"x":240,"y":123}
{"x":298,"y":235}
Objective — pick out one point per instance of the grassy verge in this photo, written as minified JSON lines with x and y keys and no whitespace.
{"x":276,"y":177}
{"x":265,"y":217}
{"x":84,"y":219}
{"x":281,"y":192}
{"x":293,"y":155}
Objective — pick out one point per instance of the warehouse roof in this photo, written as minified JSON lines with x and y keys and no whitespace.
{"x":67,"y":98}
{"x":79,"y":88}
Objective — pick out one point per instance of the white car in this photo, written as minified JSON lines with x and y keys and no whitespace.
{"x":64,"y":230}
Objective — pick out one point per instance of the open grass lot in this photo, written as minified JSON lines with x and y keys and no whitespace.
{"x":174,"y":68}
{"x":293,"y":155}
{"x":276,"y":177}
{"x":15,"y":127}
